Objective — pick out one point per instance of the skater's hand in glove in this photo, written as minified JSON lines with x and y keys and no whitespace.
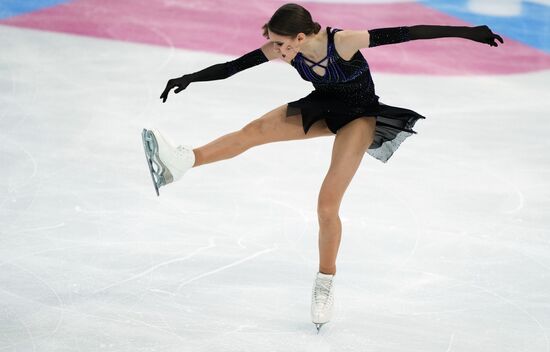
{"x":483,"y":34}
{"x":181,"y":83}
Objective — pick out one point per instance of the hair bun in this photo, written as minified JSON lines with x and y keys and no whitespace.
{"x":316,"y":27}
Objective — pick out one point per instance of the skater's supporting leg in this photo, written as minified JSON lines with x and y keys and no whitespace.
{"x":350,"y":145}
{"x":274,"y":126}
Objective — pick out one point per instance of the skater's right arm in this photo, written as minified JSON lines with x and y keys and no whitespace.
{"x":221,"y":71}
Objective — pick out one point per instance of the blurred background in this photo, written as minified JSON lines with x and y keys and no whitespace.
{"x":446,"y":247}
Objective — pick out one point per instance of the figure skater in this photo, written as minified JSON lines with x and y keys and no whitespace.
{"x":343,"y":104}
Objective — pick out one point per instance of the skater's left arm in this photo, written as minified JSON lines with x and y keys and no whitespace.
{"x":394,"y":35}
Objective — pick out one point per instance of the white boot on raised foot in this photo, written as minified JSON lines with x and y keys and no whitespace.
{"x":167,"y":163}
{"x":322,"y":299}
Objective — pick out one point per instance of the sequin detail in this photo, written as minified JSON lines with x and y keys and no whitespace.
{"x":337,"y":70}
{"x":350,"y":81}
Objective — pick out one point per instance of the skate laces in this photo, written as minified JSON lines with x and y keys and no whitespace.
{"x":180,"y":149}
{"x":322,"y":290}
{"x":183,"y":150}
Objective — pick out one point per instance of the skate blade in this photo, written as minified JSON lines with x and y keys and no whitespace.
{"x":319,"y":326}
{"x":150,"y":147}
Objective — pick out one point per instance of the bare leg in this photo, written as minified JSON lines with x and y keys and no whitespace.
{"x":274,"y":126}
{"x":225,"y":147}
{"x":350,"y":145}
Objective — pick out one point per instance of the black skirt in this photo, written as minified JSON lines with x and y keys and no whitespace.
{"x":393,"y":124}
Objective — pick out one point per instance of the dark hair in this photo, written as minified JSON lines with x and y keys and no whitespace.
{"x":289,"y":20}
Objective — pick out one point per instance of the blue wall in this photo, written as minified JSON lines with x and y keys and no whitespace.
{"x":10,"y":8}
{"x":531,"y":27}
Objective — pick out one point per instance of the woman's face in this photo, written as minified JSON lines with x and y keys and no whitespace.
{"x":287,"y":47}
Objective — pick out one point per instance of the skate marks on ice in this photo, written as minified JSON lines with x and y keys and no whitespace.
{"x":487,"y":291}
{"x":83,"y":252}
{"x":211,"y":245}
{"x":160,"y":265}
{"x":19,"y":180}
{"x":60,"y":308}
{"x":222,"y":268}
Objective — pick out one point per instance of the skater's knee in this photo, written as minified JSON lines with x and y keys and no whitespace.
{"x":257,"y":132}
{"x":254,"y":128}
{"x":328,"y":203}
{"x":327,"y":210}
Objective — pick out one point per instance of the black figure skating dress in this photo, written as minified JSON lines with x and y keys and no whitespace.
{"x":346,"y":92}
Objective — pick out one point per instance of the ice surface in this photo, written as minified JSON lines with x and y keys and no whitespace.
{"x":445,"y":248}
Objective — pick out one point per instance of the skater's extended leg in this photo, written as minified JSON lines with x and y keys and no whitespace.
{"x":350,"y":145}
{"x":274,"y":126}
{"x":168,"y":162}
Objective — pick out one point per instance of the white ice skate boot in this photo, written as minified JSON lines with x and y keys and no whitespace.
{"x":167,"y":163}
{"x":322,"y":299}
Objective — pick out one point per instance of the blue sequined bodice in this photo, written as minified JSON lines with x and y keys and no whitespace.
{"x":348,"y":80}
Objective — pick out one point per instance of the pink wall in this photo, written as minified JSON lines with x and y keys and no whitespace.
{"x":225,"y":27}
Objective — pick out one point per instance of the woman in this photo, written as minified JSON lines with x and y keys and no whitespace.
{"x":343,"y":104}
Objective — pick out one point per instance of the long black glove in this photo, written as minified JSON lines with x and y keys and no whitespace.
{"x":383,"y":36}
{"x":215,"y":72}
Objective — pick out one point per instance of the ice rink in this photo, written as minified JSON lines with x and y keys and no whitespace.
{"x":446,"y":247}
